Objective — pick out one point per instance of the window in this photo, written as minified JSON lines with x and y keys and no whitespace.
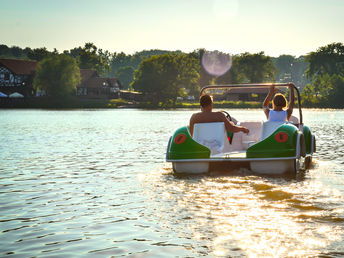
{"x":7,"y":76}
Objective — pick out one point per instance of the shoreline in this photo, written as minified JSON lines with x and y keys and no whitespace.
{"x":100,"y":103}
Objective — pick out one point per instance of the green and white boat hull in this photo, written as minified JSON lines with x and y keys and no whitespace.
{"x":285,"y":150}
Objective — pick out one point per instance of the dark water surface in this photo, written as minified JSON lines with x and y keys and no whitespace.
{"x":95,"y":183}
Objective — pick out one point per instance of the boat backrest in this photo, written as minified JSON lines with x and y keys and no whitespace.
{"x":254,"y":135}
{"x":269,"y":127}
{"x":294,"y":119}
{"x":236,"y":144}
{"x":211,"y":135}
{"x":255,"y":128}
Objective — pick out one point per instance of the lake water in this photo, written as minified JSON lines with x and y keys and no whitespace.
{"x":95,"y":183}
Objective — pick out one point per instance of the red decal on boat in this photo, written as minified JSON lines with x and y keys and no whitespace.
{"x":281,"y":137}
{"x":180,"y":138}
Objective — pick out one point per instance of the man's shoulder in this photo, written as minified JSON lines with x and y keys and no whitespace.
{"x":219,"y":114}
{"x":196,"y":114}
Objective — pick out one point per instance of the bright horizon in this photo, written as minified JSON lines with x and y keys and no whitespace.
{"x":233,"y":26}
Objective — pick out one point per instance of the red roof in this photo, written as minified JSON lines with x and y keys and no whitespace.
{"x":96,"y":82}
{"x":86,"y":74}
{"x":91,"y":79}
{"x":21,"y":67}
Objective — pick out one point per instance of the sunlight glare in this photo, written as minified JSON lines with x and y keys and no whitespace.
{"x":216,"y":63}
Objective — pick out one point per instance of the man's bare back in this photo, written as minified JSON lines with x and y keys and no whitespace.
{"x":213,"y":117}
{"x":208,"y":116}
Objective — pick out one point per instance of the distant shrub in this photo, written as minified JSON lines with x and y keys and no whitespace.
{"x":114,"y":103}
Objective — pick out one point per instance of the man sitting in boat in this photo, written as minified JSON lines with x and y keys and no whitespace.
{"x":208,"y":116}
{"x":278,"y":113}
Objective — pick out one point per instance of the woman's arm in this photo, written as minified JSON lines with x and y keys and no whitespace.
{"x":291,"y":102}
{"x":267,"y":101}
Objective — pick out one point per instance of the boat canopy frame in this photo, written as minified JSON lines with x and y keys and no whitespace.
{"x":259,"y":85}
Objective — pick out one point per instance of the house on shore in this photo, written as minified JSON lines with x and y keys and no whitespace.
{"x":16,"y":76}
{"x":93,"y":86}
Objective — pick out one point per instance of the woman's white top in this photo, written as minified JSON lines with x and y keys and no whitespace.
{"x":278,"y":116}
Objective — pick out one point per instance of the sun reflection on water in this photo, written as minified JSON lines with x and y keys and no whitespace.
{"x":251,"y":216}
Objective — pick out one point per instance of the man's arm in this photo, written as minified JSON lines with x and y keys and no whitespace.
{"x":191,"y":125}
{"x":231,"y":127}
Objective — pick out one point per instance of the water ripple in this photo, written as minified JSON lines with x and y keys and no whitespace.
{"x":94,"y":183}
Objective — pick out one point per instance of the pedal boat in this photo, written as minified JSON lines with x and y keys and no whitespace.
{"x":272,"y":148}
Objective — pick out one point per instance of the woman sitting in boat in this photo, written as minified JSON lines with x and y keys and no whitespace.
{"x":280,"y":111}
{"x":208,"y":116}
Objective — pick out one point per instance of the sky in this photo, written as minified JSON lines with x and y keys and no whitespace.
{"x":277,"y":27}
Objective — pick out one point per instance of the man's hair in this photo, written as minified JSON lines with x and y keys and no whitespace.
{"x":279,"y":100}
{"x":205,"y":100}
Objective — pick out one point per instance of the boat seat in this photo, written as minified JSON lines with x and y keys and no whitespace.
{"x":254,"y":135}
{"x":269,"y":127}
{"x":294,"y":120}
{"x":211,"y":135}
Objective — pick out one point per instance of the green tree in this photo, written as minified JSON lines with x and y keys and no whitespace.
{"x":336,"y":94}
{"x":298,"y":72}
{"x":326,"y":60}
{"x":91,"y":58}
{"x":125,"y":75}
{"x":318,"y":91}
{"x":188,"y":74}
{"x":284,"y":64}
{"x":16,"y":51}
{"x":326,"y":70}
{"x":156,"y":78}
{"x":233,"y":75}
{"x":38,"y":54}
{"x":204,"y":77}
{"x":75,"y":52}
{"x":165,"y":77}
{"x":308,"y":99}
{"x":5,"y":51}
{"x":256,"y":67}
{"x":57,"y":75}
{"x":119,"y":60}
{"x":324,"y":91}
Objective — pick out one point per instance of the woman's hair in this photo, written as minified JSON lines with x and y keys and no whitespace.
{"x":279,"y":101}
{"x":205,"y":100}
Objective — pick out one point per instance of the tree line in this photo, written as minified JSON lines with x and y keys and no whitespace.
{"x":166,"y":75}
{"x":326,"y":72}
